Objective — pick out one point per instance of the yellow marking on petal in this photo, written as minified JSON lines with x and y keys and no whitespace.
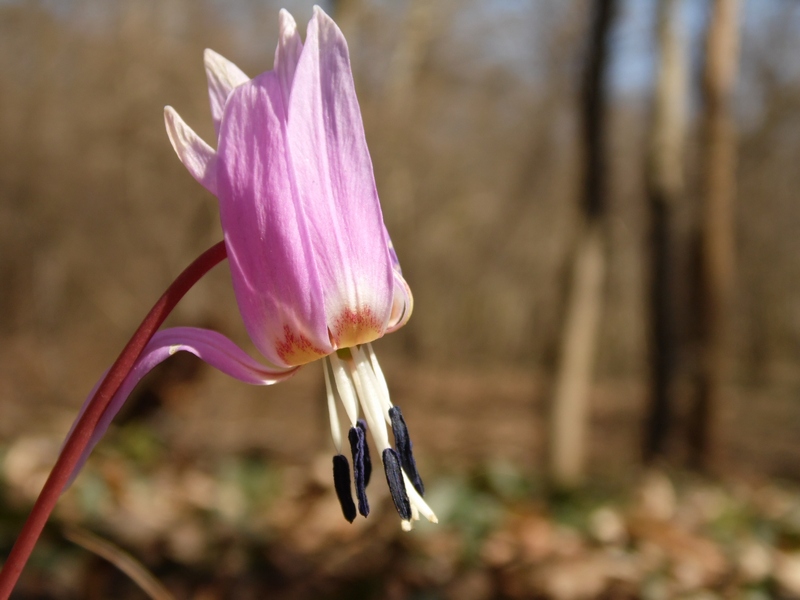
{"x":296,"y":349}
{"x":354,"y":327}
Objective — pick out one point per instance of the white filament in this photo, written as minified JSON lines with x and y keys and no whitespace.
{"x":336,"y":431}
{"x":371,"y":406}
{"x":345,"y":387}
{"x":367,"y":372}
{"x":417,"y":501}
{"x":360,"y":380}
{"x":376,"y":368}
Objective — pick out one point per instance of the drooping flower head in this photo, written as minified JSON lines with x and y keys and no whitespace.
{"x":309,"y":253}
{"x":313,"y":269}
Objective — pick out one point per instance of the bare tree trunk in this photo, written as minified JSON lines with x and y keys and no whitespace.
{"x":665,"y":185}
{"x":569,"y":425}
{"x":717,"y":248}
{"x":570,"y":411}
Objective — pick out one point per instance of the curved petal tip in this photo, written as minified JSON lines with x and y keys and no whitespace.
{"x":198,"y":157}
{"x":402,"y":303}
{"x":287,"y":54}
{"x":223,"y":76}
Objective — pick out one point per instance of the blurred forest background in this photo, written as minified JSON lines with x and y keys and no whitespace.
{"x":475,"y":114}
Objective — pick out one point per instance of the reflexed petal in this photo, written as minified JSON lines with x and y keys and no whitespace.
{"x":288,"y":52}
{"x":212,"y":347}
{"x":270,"y":248}
{"x":336,"y":188}
{"x":402,"y":299}
{"x":198,"y":157}
{"x":392,"y":252}
{"x":222,"y":77}
{"x":402,"y":303}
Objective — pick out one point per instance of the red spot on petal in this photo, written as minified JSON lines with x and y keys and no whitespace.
{"x":296,"y":349}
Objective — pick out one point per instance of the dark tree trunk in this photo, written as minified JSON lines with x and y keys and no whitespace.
{"x":594,"y":109}
{"x":664,"y":188}
{"x":570,"y":408}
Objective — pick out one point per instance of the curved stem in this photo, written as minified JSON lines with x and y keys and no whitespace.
{"x":76,"y":443}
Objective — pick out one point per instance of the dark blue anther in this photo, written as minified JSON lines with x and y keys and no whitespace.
{"x":341,"y":481}
{"x":358,"y":445}
{"x":403,"y":443}
{"x":394,"y":477}
{"x":362,"y":425}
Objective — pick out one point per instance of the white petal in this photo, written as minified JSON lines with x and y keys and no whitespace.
{"x":198,"y":157}
{"x":222,"y":77}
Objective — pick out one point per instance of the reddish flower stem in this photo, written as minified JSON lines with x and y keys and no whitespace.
{"x":75,"y":445}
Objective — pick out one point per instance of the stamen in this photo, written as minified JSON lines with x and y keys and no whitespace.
{"x":362,"y":424}
{"x":370,"y":404}
{"x":403,"y":444}
{"x":394,"y":477}
{"x":417,"y":501}
{"x":336,"y":431}
{"x":367,"y":371}
{"x":344,"y":386}
{"x":341,"y":482}
{"x":373,"y":359}
{"x":357,"y":446}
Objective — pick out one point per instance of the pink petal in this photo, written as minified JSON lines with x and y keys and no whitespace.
{"x":336,"y":188}
{"x":287,"y":53}
{"x":212,"y":347}
{"x":223,"y":76}
{"x":272,"y":258}
{"x":198,"y":157}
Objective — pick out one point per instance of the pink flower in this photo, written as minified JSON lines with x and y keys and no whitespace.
{"x":313,"y":268}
